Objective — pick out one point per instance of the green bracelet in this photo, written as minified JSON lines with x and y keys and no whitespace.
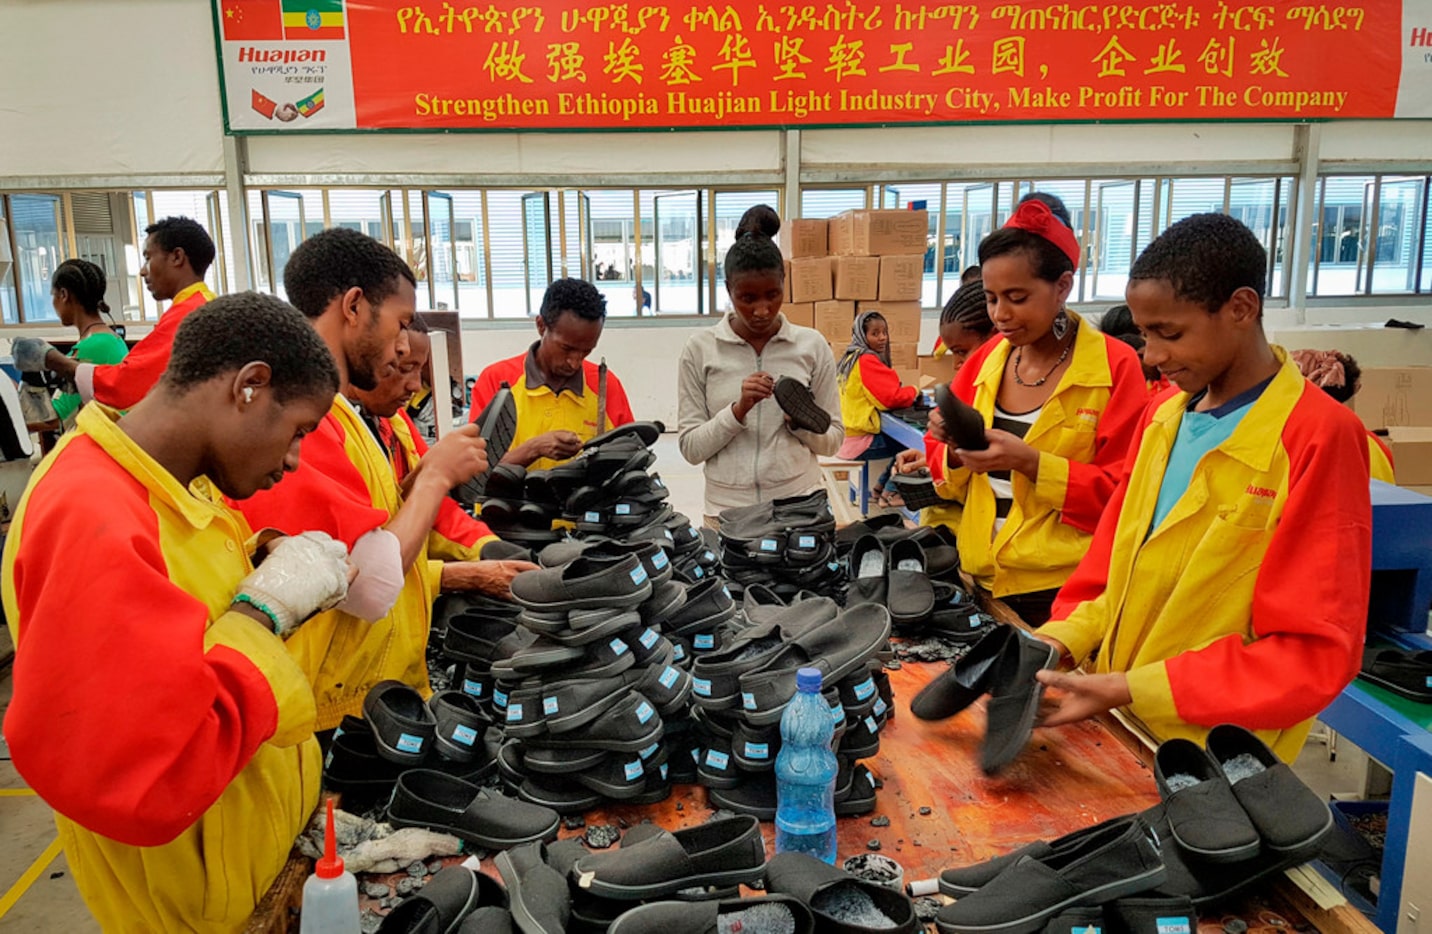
{"x":273,"y":618}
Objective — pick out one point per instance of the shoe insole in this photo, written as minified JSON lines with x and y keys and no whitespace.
{"x":1242,"y":766}
{"x":908,"y":564}
{"x":759,"y":918}
{"x":850,"y":905}
{"x":1179,"y":781}
{"x":870,"y":564}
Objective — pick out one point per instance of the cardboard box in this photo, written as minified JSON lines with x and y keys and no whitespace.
{"x":811,"y":280}
{"x":879,"y":233}
{"x":939,"y":369}
{"x":1395,"y":396}
{"x":834,"y":320}
{"x":802,"y":314}
{"x":1411,"y":454}
{"x":786,"y":296}
{"x":902,"y":277}
{"x":839,"y":234}
{"x":838,"y":349}
{"x":909,"y":376}
{"x":803,"y":237}
{"x":902,"y":318}
{"x":857,"y":278}
{"x":906,"y":357}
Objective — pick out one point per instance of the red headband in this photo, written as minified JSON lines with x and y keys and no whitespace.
{"x":1035,"y":217}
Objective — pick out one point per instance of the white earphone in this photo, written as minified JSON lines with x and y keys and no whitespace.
{"x":248,"y":394}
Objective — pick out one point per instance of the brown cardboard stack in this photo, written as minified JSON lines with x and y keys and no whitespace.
{"x":1399,"y":401}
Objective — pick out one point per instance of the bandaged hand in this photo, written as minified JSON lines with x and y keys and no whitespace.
{"x":30,"y":353}
{"x":301,"y":575}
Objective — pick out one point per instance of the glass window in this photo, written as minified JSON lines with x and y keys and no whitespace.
{"x":471,"y":253}
{"x":1393,"y":237}
{"x":9,"y":305}
{"x":1075,"y":197}
{"x":1339,"y":234}
{"x":730,"y":205}
{"x":828,"y":202}
{"x":37,"y":228}
{"x":199,"y":206}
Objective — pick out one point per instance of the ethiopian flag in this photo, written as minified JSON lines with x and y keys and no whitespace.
{"x":311,"y":104}
{"x":313,"y":19}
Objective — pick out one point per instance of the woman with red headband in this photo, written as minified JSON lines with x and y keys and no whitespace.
{"x":1060,"y":402}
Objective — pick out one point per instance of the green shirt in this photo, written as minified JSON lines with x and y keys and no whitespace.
{"x":102,"y":348}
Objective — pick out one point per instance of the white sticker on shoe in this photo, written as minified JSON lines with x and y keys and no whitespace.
{"x":701,"y":686}
{"x":758,"y":750}
{"x":871,"y":725}
{"x":879,"y":706}
{"x":805,"y":541}
{"x":644,"y":712}
{"x":769,"y":544}
{"x":407,"y":742}
{"x":549,"y":705}
{"x":648,"y":638}
{"x":638,"y":575}
{"x":592,"y":517}
{"x":660,"y":560}
{"x":717,"y":759}
{"x":618,"y":647}
{"x":622,"y":509}
{"x":1180,"y":925}
{"x":514,"y":713}
{"x":668,"y":677}
{"x":464,"y":734}
{"x":864,"y":689}
{"x":704,"y":641}
{"x":748,"y":700}
{"x":649,"y":751}
{"x":633,"y":770}
{"x":473,"y":688}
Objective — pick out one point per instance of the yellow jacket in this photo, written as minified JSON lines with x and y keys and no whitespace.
{"x":871,"y":387}
{"x":173,"y":738}
{"x":1248,"y":604}
{"x":345,"y":486}
{"x":1380,"y":460}
{"x":1082,"y":434}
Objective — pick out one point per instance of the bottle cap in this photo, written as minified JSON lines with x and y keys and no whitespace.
{"x":330,"y":865}
{"x":808,"y":680}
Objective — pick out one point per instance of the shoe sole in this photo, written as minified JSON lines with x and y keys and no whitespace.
{"x":1222,"y":856}
{"x":482,"y":840}
{"x":497,"y":425}
{"x":633,"y":893}
{"x":798,"y":402}
{"x":526,"y":922}
{"x":1026,"y":722}
{"x":1422,"y":697}
{"x":609,"y":745}
{"x":599,"y":602}
{"x":1029,"y":924}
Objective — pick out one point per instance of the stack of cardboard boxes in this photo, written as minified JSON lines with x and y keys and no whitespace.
{"x":1399,"y":401}
{"x":858,"y":261}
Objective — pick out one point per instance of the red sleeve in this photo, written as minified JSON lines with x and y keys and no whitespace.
{"x":963,"y":386}
{"x":884,"y":383}
{"x":1091,"y":577}
{"x":1090,"y":485}
{"x":618,"y":408}
{"x":123,"y":384}
{"x":120,"y":719}
{"x":325,"y":494}
{"x":453,"y":522}
{"x":1310,"y":599}
{"x":488,"y":382}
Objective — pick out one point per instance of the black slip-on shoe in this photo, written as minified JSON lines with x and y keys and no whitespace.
{"x":719,"y":852}
{"x":354,"y":769}
{"x":506,"y":481}
{"x":588,"y":582}
{"x":403,"y":726}
{"x":1145,"y":914}
{"x":560,"y":794}
{"x":797,"y":401}
{"x":916,"y":489}
{"x":706,"y":601}
{"x":461,"y":722}
{"x":965,"y":681}
{"x":911,"y":596}
{"x":646,"y":432}
{"x":537,"y":892}
{"x":489,"y":919}
{"x":716,"y":767}
{"x":630,"y":725}
{"x":496,"y":425}
{"x":1288,"y":815}
{"x":754,"y":747}
{"x":963,"y":423}
{"x":450,"y":895}
{"x":1205,"y":817}
{"x":1115,"y":862}
{"x":427,"y":798}
{"x":765,"y":913}
{"x":839,"y":900}
{"x":560,"y":761}
{"x":754,"y":795}
{"x":619,"y":776}
{"x":1079,"y":920}
{"x":474,"y":637}
{"x":600,"y":625}
{"x":1407,"y":674}
{"x":859,"y":797}
{"x":868,"y":565}
{"x":570,"y":704}
{"x":1014,"y":699}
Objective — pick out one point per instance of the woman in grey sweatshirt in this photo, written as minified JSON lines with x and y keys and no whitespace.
{"x":728,"y":420}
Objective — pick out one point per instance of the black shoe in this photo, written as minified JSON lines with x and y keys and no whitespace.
{"x":1288,"y":815}
{"x":497,"y":425}
{"x":797,"y":401}
{"x":764,"y":913}
{"x":718,"y":852}
{"x":868,"y":566}
{"x":538,"y":893}
{"x":1014,"y":699}
{"x":1206,"y":819}
{"x":426,"y":798}
{"x":831,"y":893}
{"x":963,"y":424}
{"x":403,"y":726}
{"x":910,"y":595}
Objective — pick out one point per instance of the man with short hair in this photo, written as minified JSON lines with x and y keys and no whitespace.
{"x":556,"y":389}
{"x":359,"y":296}
{"x":177,"y":254}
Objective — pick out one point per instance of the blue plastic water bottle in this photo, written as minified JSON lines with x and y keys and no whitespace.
{"x":805,"y":773}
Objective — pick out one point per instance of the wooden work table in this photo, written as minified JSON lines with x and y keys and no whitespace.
{"x":1067,"y":778}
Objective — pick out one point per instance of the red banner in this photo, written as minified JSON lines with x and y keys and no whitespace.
{"x":500,"y":65}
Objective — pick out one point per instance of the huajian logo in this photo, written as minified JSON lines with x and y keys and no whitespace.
{"x":285,"y":56}
{"x":1421,"y":36}
{"x":1262,"y":492}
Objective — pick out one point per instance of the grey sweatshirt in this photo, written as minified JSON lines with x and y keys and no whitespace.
{"x":762,"y":459}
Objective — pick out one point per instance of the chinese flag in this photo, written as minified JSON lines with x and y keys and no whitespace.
{"x":251,"y":20}
{"x":262,"y":105}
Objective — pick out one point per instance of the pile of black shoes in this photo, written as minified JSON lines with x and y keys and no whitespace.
{"x":741,"y":690}
{"x":786,"y":544}
{"x":586,"y":692}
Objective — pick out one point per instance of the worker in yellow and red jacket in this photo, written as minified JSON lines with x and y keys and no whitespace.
{"x":554,"y":385}
{"x":359,"y":296}
{"x":1228,"y":580}
{"x":1060,"y":402}
{"x":869,"y":386}
{"x":1338,"y":375}
{"x":455,"y":535}
{"x":155,"y":708}
{"x":177,"y":253}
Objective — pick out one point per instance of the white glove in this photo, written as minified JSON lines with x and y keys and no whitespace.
{"x":301,"y":575}
{"x":29,"y":354}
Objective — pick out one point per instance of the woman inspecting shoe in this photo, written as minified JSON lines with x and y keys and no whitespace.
{"x":869,"y":386}
{"x":155,"y":707}
{"x":1060,"y":402}
{"x":728,"y":420}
